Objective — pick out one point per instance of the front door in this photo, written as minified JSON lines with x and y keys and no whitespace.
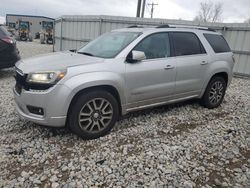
{"x":153,"y":79}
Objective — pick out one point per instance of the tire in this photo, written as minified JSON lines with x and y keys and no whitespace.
{"x":214,"y":93}
{"x":23,"y":38}
{"x":95,"y":122}
{"x":49,"y":41}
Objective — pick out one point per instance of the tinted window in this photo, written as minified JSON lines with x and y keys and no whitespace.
{"x":155,"y":46}
{"x":187,"y":44}
{"x":218,"y":43}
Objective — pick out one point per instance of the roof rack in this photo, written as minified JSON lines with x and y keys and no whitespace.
{"x":135,"y":26}
{"x":185,"y":26}
{"x":163,"y":26}
{"x":208,"y":29}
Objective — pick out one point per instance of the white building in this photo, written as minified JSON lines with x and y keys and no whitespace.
{"x":12,"y":21}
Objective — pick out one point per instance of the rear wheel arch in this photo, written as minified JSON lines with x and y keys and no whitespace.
{"x":214,"y":92}
{"x":223,"y":75}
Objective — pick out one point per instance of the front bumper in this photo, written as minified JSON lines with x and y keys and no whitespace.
{"x":54,"y":101}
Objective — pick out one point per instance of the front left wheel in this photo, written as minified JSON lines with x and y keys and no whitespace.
{"x":93,"y":114}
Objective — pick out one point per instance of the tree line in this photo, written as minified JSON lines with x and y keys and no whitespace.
{"x":211,"y":12}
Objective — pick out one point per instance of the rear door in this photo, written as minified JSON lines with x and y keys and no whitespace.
{"x":153,"y":79}
{"x":192,"y":61}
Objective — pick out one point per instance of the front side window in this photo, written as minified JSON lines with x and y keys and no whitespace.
{"x":186,"y":44}
{"x":155,"y":46}
{"x":109,"y":45}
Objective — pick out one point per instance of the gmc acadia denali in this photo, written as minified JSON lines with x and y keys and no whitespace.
{"x":122,"y":71}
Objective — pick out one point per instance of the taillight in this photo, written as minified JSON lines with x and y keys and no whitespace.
{"x":8,"y":40}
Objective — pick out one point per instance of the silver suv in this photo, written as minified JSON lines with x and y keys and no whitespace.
{"x":122,"y":71}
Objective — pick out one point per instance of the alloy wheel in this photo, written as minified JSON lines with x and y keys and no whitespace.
{"x":95,"y":115}
{"x":216,"y":92}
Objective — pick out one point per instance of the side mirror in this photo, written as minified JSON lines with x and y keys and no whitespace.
{"x":73,"y":50}
{"x":136,"y":56}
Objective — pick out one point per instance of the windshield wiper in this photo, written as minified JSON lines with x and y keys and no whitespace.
{"x":85,"y":53}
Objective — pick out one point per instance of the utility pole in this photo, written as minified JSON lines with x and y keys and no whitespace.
{"x":152,"y":8}
{"x":138,"y":13}
{"x":143,"y":8}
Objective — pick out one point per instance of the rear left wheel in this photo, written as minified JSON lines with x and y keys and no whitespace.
{"x":214,"y":93}
{"x":93,"y":114}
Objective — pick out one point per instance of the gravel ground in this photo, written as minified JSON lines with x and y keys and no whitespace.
{"x":181,"y":145}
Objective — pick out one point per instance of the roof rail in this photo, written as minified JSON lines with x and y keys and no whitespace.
{"x":186,"y":26}
{"x":163,"y":26}
{"x":207,"y":29}
{"x":135,"y":26}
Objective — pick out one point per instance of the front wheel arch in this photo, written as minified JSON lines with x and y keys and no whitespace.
{"x":84,"y":106}
{"x":112,"y":90}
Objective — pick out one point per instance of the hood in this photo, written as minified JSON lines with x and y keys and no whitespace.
{"x":55,"y":61}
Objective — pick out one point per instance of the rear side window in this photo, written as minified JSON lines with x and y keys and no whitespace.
{"x":186,"y":43}
{"x":218,"y":43}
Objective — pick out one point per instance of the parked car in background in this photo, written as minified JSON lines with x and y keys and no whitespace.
{"x":9,"y":53}
{"x":122,"y":71}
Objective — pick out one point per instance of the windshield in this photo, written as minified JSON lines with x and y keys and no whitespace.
{"x":24,"y":25}
{"x":47,"y":25}
{"x":109,"y":45}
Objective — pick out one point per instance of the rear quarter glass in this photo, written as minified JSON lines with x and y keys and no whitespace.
{"x":217,"y":42}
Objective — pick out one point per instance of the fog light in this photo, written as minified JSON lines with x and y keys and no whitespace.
{"x":35,"y":110}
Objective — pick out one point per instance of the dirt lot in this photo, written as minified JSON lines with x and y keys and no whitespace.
{"x":182,"y":145}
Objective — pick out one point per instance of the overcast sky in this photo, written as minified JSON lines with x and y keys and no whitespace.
{"x":233,"y":10}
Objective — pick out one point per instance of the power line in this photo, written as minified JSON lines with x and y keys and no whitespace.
{"x":152,"y":8}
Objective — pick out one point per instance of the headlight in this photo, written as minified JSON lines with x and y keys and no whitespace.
{"x":49,"y":77}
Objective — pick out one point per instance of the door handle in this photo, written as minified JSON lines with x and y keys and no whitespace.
{"x":169,"y":67}
{"x":204,"y":62}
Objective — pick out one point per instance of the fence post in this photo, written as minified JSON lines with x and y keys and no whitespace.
{"x":100,"y":26}
{"x":61,"y":34}
{"x":54,"y":38}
